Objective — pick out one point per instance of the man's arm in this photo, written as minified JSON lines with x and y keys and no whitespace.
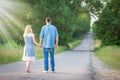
{"x":56,"y":45}
{"x":40,"y":42}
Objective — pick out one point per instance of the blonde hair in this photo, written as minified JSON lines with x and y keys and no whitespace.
{"x":28,"y":29}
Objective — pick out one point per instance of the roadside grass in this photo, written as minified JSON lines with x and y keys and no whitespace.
{"x":72,"y":45}
{"x":97,"y":44}
{"x":39,"y":52}
{"x":11,"y":52}
{"x":11,"y":55}
{"x":109,"y":55}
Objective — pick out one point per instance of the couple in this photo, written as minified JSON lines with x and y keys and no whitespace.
{"x":49,"y":37}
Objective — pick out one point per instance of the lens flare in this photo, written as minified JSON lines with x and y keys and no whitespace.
{"x":11,"y":14}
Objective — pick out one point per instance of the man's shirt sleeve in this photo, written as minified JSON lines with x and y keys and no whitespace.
{"x":41,"y":35}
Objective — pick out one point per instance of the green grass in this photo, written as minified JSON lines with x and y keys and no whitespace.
{"x":12,"y":52}
{"x":39,"y":52}
{"x":10,"y":55}
{"x":72,"y":45}
{"x":97,"y":44}
{"x":110,"y":55}
{"x":15,"y":54}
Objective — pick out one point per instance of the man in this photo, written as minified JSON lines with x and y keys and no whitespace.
{"x":49,"y":37}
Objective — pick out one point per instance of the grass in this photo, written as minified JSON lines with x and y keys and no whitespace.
{"x":11,"y":52}
{"x":109,"y":55}
{"x":15,"y":54}
{"x":10,"y":55}
{"x":39,"y":52}
{"x":97,"y":44}
{"x":72,"y":45}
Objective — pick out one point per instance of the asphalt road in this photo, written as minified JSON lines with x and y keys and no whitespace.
{"x":70,"y":65}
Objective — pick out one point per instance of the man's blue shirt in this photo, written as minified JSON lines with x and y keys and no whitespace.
{"x":48,"y":34}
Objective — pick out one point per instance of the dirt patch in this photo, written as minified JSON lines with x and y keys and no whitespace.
{"x":104,"y":71}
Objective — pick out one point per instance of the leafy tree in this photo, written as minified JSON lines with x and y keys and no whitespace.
{"x":71,"y":17}
{"x":108,"y":26}
{"x":65,"y":15}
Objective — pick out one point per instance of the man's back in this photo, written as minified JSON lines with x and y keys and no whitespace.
{"x":49,"y":34}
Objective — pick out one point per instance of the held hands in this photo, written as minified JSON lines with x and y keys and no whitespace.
{"x":40,"y":45}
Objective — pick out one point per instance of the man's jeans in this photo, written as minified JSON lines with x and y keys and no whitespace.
{"x":46,"y":61}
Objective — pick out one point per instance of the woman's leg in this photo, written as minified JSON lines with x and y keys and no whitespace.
{"x":28,"y":66}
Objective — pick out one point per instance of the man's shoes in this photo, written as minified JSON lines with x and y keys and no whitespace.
{"x":45,"y":71}
{"x":52,"y":71}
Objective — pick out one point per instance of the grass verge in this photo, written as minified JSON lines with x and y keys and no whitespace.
{"x":10,"y":53}
{"x":72,"y":45}
{"x":109,"y":55}
{"x":15,"y":54}
{"x":39,"y":52}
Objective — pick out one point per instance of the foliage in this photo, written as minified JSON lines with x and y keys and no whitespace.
{"x":108,"y":26}
{"x":97,"y":44}
{"x":71,"y":17}
{"x":65,"y":16}
{"x":94,"y":6}
{"x":13,"y":18}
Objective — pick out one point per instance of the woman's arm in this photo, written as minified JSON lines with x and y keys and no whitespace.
{"x":34,"y":41}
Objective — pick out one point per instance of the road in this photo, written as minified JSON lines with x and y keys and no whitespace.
{"x":70,"y":65}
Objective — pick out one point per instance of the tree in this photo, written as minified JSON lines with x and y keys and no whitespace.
{"x":108,"y":26}
{"x":65,"y":15}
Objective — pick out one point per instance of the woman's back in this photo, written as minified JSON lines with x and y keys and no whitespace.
{"x":28,"y":39}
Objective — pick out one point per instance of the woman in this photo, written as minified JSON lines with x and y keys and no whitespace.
{"x":28,"y":54}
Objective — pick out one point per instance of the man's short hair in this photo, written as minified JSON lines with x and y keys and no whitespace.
{"x":48,"y":19}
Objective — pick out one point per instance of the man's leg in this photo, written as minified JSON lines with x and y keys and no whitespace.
{"x":52,"y":59}
{"x":46,"y":66}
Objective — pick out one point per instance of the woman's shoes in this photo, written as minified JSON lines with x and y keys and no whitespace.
{"x":27,"y":71}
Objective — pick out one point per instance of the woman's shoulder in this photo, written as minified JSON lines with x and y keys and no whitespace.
{"x":28,"y":34}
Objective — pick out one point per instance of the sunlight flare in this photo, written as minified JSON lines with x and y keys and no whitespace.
{"x":11,"y":14}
